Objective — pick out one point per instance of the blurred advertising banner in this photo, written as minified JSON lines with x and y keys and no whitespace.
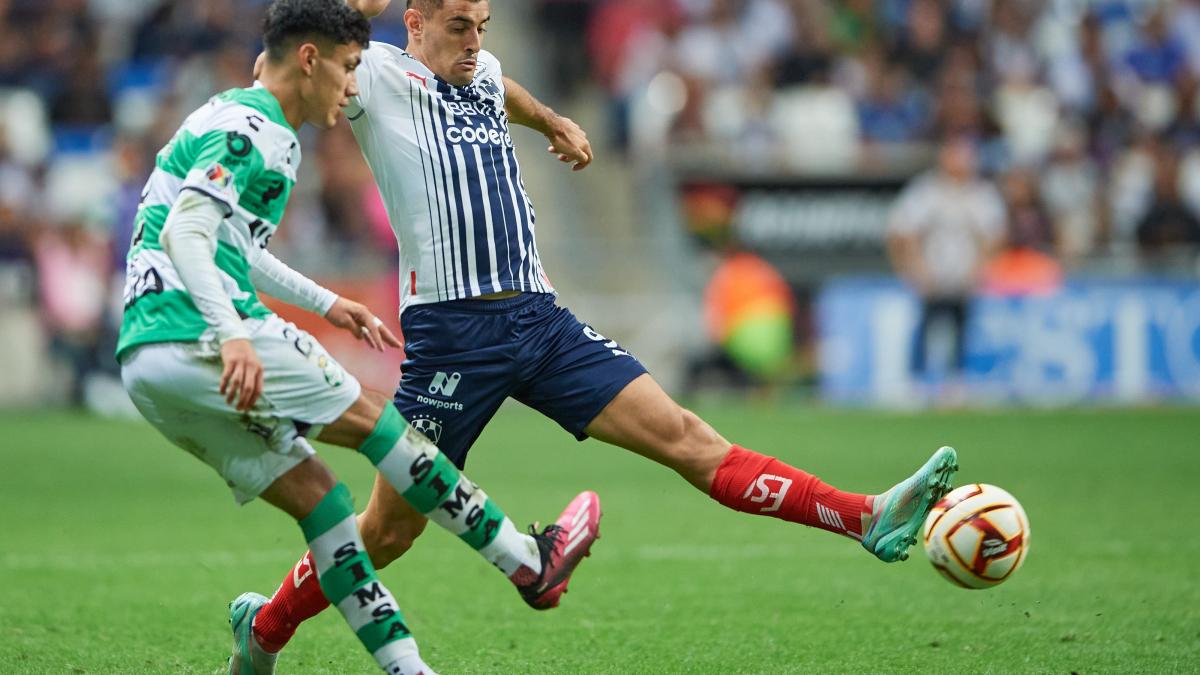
{"x":807,"y":227}
{"x":1093,"y":341}
{"x":375,"y":370}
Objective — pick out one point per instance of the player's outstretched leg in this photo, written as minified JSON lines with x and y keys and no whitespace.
{"x":887,"y":524}
{"x":643,"y":418}
{"x":897,"y":515}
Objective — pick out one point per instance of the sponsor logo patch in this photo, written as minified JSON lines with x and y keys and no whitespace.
{"x":764,"y":491}
{"x":445,"y":384}
{"x":218,"y":176}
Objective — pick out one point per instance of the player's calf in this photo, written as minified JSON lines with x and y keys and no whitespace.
{"x":349,"y":582}
{"x":752,"y":483}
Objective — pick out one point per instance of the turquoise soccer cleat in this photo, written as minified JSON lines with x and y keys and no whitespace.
{"x":248,"y":657}
{"x":897,"y":515}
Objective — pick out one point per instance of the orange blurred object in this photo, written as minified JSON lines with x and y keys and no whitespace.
{"x":1022,"y":271}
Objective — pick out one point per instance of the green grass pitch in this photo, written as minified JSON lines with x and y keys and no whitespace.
{"x":119,"y":553}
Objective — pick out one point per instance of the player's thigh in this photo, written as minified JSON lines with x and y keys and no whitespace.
{"x":579,"y":372}
{"x":301,"y":380}
{"x":178,"y":393}
{"x":451,"y":419}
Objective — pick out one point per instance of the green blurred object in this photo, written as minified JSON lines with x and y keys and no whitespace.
{"x":761,"y":344}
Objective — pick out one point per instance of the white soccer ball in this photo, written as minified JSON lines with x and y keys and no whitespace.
{"x":977,"y":536}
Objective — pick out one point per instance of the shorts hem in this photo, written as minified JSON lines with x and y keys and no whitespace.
{"x":608,"y":395}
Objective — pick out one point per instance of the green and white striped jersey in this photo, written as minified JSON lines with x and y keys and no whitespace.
{"x":239,"y":150}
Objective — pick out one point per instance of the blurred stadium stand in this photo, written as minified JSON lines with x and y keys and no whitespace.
{"x":785,"y":128}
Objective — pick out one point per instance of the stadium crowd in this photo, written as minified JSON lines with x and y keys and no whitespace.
{"x":89,"y":91}
{"x":1083,"y":113}
{"x":1083,"y":116}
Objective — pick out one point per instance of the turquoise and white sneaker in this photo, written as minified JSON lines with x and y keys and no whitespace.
{"x":248,"y":657}
{"x":897,"y":515}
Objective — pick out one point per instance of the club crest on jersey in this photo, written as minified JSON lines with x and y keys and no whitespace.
{"x":489,"y":87}
{"x":430,"y":427}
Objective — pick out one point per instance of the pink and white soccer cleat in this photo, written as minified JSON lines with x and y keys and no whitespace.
{"x":562,"y":546}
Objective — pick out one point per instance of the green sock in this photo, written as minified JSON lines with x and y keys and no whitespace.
{"x":430,"y":482}
{"x":348,"y":579}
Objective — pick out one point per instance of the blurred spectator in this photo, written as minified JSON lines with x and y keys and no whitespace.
{"x":1170,"y":225}
{"x":353,"y":208}
{"x":16,"y":196}
{"x":809,"y":56}
{"x":921,"y":47}
{"x":73,"y":273}
{"x":561,"y":23}
{"x":83,"y":99}
{"x":750,"y":310}
{"x":1157,"y":58}
{"x":1026,"y":264}
{"x":1071,"y":187}
{"x":1029,"y":224}
{"x":942,"y":232}
{"x":892,"y":110}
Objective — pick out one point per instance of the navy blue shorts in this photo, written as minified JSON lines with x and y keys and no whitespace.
{"x":464,"y":357}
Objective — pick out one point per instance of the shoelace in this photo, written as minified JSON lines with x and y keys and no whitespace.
{"x":546,"y":540}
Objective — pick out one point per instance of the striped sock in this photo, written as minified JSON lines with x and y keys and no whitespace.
{"x":430,"y":482}
{"x":348,"y":580}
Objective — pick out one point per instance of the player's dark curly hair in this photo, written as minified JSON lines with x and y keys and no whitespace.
{"x":290,"y":20}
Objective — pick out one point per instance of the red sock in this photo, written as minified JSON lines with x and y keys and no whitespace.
{"x":753,"y":483}
{"x":298,"y":599}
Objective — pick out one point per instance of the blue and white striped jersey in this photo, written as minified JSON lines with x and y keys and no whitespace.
{"x":445,"y":165}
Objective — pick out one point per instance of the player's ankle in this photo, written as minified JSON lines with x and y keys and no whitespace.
{"x":268,"y":646}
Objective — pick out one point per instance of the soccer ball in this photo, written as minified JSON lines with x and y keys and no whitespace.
{"x":977,"y":536}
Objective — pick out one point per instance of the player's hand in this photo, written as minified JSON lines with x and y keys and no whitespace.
{"x":569,"y":142}
{"x":361,"y":323}
{"x":242,"y":377}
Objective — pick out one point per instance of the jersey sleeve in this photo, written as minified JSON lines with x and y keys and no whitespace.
{"x":227,"y":157}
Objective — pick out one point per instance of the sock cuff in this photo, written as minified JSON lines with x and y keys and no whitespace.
{"x":334,"y":507}
{"x":384,"y":437}
{"x":738,"y":462}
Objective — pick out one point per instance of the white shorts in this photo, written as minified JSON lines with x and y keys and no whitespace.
{"x":176,"y":386}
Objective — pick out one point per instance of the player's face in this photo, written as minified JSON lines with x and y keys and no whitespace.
{"x":450,"y":39}
{"x":332,"y":84}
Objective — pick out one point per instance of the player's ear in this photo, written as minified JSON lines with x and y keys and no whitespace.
{"x":259,"y":63}
{"x":307,"y":54}
{"x":414,"y":21}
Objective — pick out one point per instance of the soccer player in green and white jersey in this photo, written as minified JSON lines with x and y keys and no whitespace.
{"x":233,"y":384}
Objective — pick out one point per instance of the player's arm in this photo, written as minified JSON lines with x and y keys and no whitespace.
{"x":189,"y":238}
{"x":273,"y":277}
{"x":369,"y":8}
{"x":567,"y":140}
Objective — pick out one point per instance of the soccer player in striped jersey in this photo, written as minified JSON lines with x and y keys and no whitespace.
{"x":230,"y":382}
{"x":480,"y":319}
